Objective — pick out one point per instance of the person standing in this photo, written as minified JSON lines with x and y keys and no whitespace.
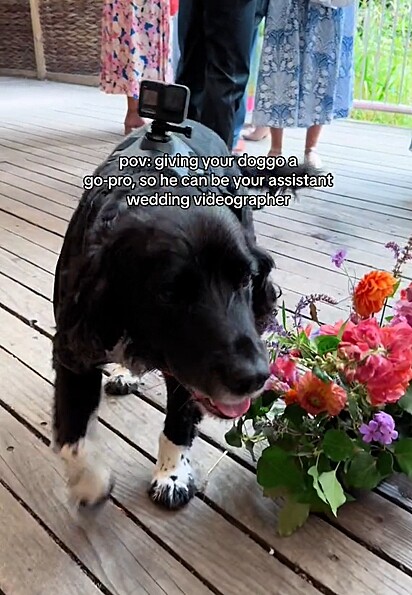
{"x":136,"y":44}
{"x":215,"y":40}
{"x":306,"y":71}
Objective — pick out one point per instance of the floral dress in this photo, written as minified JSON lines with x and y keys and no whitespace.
{"x":306,"y":68}
{"x":136,"y":44}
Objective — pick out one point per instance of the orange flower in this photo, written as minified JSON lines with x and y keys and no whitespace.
{"x":316,"y":396}
{"x":371,"y":292}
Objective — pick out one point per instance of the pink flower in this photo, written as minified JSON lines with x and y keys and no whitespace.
{"x":283,"y":375}
{"x":379,"y":358}
{"x":403,"y":307}
{"x":333,"y":329}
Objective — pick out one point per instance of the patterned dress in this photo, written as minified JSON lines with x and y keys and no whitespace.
{"x":306,"y":68}
{"x":136,"y":44}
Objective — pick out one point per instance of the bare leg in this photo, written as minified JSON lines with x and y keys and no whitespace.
{"x":312,"y":139}
{"x":276,"y":142}
{"x":132,"y":120}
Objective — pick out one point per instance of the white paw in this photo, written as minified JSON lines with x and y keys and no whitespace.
{"x":173,"y":483}
{"x":121,"y":382}
{"x":90,"y":483}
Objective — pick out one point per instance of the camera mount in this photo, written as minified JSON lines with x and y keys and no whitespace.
{"x":159,"y":131}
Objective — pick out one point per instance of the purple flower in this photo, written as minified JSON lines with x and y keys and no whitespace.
{"x":380,"y":429}
{"x":339,"y":257}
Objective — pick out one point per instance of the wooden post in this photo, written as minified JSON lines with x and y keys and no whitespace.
{"x":38,"y":39}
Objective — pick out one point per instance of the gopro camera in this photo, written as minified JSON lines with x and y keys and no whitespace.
{"x":163,"y":102}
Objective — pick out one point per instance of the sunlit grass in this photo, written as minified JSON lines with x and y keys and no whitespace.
{"x":383,"y":58}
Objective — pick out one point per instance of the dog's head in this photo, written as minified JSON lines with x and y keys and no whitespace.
{"x":188,"y":291}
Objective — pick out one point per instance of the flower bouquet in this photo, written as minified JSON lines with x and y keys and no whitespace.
{"x":335,"y":418}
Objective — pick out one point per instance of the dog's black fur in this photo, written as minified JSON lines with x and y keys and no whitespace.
{"x":186,"y":292}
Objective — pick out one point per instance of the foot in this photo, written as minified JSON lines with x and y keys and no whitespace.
{"x":259,"y":133}
{"x":173,"y":484}
{"x":132,"y":120}
{"x":275,"y":152}
{"x":89,"y":481}
{"x":312,"y":158}
{"x":121,"y":382}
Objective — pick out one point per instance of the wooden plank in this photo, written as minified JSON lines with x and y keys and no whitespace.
{"x":120,"y":554}
{"x":31,"y":562}
{"x":26,"y":273}
{"x":40,"y":183}
{"x":232,"y":488}
{"x":32,"y":215}
{"x":37,"y":310}
{"x":200,"y":536}
{"x":26,"y":250}
{"x":31,"y":232}
{"x":38,"y":201}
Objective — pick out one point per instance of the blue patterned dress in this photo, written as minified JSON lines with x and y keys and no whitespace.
{"x":306,"y":68}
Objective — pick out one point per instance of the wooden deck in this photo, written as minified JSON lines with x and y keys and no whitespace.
{"x":224,"y":542}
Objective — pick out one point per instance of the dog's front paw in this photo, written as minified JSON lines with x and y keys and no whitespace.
{"x":89,"y":482}
{"x":173,"y":487}
{"x":173,"y":482}
{"x":121,"y":382}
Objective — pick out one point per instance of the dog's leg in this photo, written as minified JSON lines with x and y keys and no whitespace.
{"x":76,"y":403}
{"x":173,"y":483}
{"x":121,"y":381}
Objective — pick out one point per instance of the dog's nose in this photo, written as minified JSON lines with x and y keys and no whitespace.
{"x":247,"y":382}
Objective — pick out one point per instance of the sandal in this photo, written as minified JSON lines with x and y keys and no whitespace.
{"x":259,"y":133}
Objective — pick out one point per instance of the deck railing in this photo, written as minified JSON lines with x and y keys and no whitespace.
{"x":383,"y":56}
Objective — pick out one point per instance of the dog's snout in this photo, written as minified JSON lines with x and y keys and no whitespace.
{"x":247,"y":381}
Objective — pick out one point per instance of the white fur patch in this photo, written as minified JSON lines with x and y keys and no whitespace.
{"x":121,"y":381}
{"x":88,"y":478}
{"x":173,"y":482}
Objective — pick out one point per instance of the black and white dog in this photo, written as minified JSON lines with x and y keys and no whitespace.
{"x":183,"y":291}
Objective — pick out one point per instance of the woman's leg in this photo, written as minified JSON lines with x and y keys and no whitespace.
{"x":312,"y":139}
{"x":276,"y":135}
{"x":132,"y":120}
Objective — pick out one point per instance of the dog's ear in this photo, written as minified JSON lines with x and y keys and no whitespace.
{"x":95,"y":296}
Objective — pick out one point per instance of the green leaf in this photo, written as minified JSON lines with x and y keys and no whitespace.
{"x":321,"y":374}
{"x":275,"y":493}
{"x":277,"y":468}
{"x":292,"y":516}
{"x":403,"y":454}
{"x":233,"y":438}
{"x":326,"y":344}
{"x":385,"y":464}
{"x":338,"y":446}
{"x":328,"y":488}
{"x":388,"y":318}
{"x":295,"y":415}
{"x":333,"y":490}
{"x":406,"y":401}
{"x":363,"y":472}
{"x":314,"y":473}
{"x":395,"y":288}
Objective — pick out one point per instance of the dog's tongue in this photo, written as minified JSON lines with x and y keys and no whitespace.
{"x":235,"y":410}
